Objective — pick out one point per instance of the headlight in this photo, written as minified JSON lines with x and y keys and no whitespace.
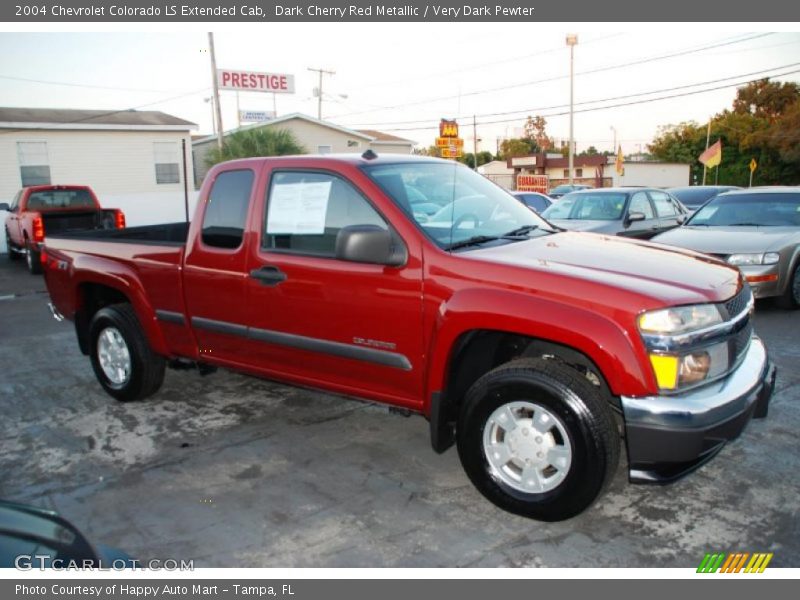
{"x":770,"y":258}
{"x":680,"y":319}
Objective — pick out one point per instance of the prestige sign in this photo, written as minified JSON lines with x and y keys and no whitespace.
{"x":249,"y":81}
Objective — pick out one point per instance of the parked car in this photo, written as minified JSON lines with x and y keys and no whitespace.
{"x":534,"y":200}
{"x":757,"y":230}
{"x":629,"y":212}
{"x":33,"y":538}
{"x":694,"y":196}
{"x":561,"y":190}
{"x":530,"y":349}
{"x":41,"y":210}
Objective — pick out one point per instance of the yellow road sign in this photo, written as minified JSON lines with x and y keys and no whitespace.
{"x":753,"y":164}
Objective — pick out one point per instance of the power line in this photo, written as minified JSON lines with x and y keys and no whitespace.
{"x":559,"y":77}
{"x":610,"y":99}
{"x":598,"y":108}
{"x":82,"y":85}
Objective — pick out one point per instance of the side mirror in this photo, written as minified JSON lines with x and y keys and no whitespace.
{"x":633,"y":217}
{"x":681,"y":219}
{"x":5,"y":206}
{"x":369,"y":244}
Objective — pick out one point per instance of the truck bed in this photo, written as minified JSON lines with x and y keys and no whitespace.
{"x":169,"y":234}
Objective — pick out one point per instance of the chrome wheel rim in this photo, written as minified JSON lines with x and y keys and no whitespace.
{"x":527,"y":447}
{"x":113,"y":355}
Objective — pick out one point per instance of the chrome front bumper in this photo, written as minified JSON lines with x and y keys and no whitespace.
{"x":669,"y":436}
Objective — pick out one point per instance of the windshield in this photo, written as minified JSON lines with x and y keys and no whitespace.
{"x":588,"y":206}
{"x":60,"y":199}
{"x":768,"y":210}
{"x":467,"y":205}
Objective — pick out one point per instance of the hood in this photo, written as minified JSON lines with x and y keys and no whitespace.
{"x":669,"y":275}
{"x":730,"y":240}
{"x":586,"y":225}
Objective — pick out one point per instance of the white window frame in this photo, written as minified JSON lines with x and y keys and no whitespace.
{"x":33,"y":161}
{"x":160,"y":153}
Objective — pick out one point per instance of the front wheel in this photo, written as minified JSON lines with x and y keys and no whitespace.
{"x":791,"y":296}
{"x":12,"y":254}
{"x":536,"y":439}
{"x":121,"y":357}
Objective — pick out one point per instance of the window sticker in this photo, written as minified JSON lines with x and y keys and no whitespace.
{"x":298,"y":208}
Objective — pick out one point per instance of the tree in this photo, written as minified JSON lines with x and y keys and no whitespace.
{"x":263,"y":141}
{"x":590,"y":151}
{"x":516,"y":147}
{"x":766,"y":99}
{"x":535,"y":131}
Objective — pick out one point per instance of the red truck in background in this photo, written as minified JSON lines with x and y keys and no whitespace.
{"x":537,"y":352}
{"x":41,"y":210}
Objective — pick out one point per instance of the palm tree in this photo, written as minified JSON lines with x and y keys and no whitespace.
{"x":264,"y":141}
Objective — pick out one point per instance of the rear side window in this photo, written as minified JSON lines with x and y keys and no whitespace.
{"x":223,"y":222}
{"x":664,"y":205}
{"x":306,"y":211}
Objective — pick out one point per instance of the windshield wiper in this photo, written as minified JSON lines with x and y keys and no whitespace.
{"x":745,"y":225}
{"x":475,"y":240}
{"x":520,"y":231}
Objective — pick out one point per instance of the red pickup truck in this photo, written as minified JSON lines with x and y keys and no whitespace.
{"x":538,"y":352}
{"x":41,"y":210}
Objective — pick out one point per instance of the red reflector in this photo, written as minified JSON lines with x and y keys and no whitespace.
{"x":43,"y":257}
{"x":120,"y":219}
{"x":761,"y":278}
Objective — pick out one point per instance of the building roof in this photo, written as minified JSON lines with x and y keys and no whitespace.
{"x":387,"y":138}
{"x":375,"y":137}
{"x":69,"y":118}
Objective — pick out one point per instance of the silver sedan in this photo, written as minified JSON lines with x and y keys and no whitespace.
{"x":756,"y":229}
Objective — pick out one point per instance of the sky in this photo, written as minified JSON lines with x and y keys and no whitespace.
{"x":402,"y":78}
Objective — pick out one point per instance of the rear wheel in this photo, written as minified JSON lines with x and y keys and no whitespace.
{"x":791,"y":296}
{"x":537,"y":440}
{"x":33,"y":260}
{"x":121,"y":357}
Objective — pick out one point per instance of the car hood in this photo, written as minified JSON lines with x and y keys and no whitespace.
{"x":669,"y":275}
{"x":584,"y":225}
{"x":730,"y":240}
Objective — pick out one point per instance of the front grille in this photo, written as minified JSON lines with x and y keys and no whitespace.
{"x":739,"y":302}
{"x":739,"y":343}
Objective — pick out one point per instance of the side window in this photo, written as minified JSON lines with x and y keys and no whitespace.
{"x":640,"y":203}
{"x":305,"y":212}
{"x":664,"y":205}
{"x":226,"y":211}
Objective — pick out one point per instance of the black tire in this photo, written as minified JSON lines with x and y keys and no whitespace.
{"x":12,"y":255}
{"x":585,"y":417}
{"x":146,"y":373}
{"x":790,"y":299}
{"x":32,"y":259}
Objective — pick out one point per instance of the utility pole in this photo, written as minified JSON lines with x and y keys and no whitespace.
{"x":319,"y":89}
{"x":216,"y":89}
{"x":475,"y":142}
{"x":572,"y":39}
{"x":708,"y":140}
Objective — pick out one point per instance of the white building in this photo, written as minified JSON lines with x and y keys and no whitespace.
{"x":134,"y":160}
{"x":649,"y":173}
{"x":316,"y":136}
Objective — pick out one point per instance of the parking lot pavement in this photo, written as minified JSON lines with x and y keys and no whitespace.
{"x":233,"y":471}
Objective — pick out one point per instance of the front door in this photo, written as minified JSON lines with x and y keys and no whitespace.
{"x":643,"y":230}
{"x":320,"y":321}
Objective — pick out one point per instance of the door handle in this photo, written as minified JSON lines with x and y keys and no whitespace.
{"x":268,"y":275}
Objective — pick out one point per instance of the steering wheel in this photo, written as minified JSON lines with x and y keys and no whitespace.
{"x":466,"y":217}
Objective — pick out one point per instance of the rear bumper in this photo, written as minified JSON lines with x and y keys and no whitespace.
{"x":669,"y":436}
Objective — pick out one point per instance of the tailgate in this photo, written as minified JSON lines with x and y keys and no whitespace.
{"x":62,"y":222}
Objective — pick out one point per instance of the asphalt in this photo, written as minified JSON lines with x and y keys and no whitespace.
{"x":232,"y":471}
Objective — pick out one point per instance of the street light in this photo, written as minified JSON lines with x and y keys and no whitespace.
{"x":614,"y":147}
{"x":572,"y":40}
